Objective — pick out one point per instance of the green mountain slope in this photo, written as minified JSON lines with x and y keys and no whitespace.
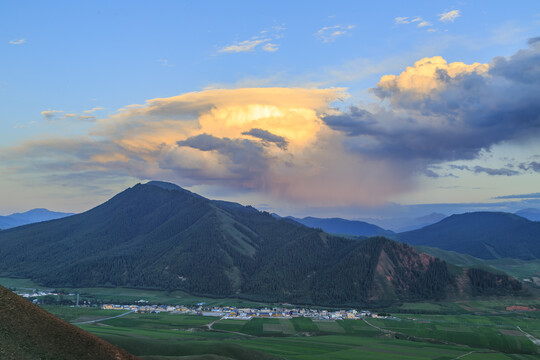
{"x":161,"y":236}
{"x":29,"y":332}
{"x":485,"y":235}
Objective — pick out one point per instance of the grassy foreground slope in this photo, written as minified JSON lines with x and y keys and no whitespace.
{"x":29,"y":332}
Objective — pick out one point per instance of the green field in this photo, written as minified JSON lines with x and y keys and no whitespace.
{"x":414,"y":336}
{"x":473,"y":329}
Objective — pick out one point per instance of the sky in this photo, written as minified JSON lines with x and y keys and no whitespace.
{"x":340,"y":108}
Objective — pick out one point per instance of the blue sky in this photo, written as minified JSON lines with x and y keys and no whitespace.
{"x":69,"y":67}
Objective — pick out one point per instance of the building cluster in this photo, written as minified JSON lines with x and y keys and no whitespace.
{"x":231,"y":312}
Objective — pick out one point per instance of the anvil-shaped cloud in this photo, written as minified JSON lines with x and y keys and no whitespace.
{"x":291,"y":144}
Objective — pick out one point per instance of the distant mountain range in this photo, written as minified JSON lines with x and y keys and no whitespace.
{"x":405,"y":223}
{"x":340,"y":226}
{"x":530,"y":213}
{"x":29,"y":217}
{"x":158,"y":235}
{"x":485,"y":235}
{"x":29,"y":332}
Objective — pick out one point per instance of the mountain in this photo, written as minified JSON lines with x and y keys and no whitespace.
{"x":32,"y":216}
{"x":406,"y":223}
{"x":485,"y":235}
{"x":29,"y":332}
{"x":530,"y":213}
{"x":342,"y":227}
{"x":158,"y":235}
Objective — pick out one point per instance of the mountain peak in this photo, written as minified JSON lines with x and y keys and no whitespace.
{"x":165,"y":185}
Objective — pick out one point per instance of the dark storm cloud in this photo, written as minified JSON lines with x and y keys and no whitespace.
{"x":533,"y":165}
{"x":268,"y":137}
{"x":458,"y":116}
{"x":246,"y":160}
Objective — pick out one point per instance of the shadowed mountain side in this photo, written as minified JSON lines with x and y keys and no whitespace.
{"x":485,"y":235}
{"x":160,"y":236}
{"x":29,"y":332}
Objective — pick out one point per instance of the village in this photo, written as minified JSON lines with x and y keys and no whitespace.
{"x":230,"y":312}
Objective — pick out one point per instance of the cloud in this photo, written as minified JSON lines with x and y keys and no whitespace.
{"x":244,"y":46}
{"x":271,"y":141}
{"x":50,"y":114}
{"x":268,"y":137}
{"x":93,"y":110}
{"x":424,"y":24}
{"x":435,"y":112}
{"x":331,"y":33}
{"x":533,"y":165}
{"x":520,"y":196}
{"x":499,"y":172}
{"x":449,"y":16}
{"x":402,"y":20}
{"x":269,"y":47}
{"x":17,"y":41}
{"x":293,"y":144}
{"x":265,"y":37}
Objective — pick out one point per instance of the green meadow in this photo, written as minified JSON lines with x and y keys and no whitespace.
{"x":469,"y":329}
{"x":175,"y":336}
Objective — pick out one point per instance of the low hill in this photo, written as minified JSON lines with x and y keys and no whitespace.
{"x":29,"y":217}
{"x":160,"y":236}
{"x":402,"y":224}
{"x":485,"y":235}
{"x":29,"y":332}
{"x":340,"y":226}
{"x":530,"y":213}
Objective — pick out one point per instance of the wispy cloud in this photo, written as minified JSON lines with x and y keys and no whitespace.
{"x":331,"y":33}
{"x":418,"y":20}
{"x":55,"y":114}
{"x":402,"y":20}
{"x":449,"y":16}
{"x":269,"y":47}
{"x":50,"y":114}
{"x":266,"y":37}
{"x":519,"y":196}
{"x":17,"y":41}
{"x":424,"y":24}
{"x":244,"y":46}
{"x":93,"y":110}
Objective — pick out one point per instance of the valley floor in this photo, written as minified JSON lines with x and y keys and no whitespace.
{"x":472,"y":329}
{"x":173,"y":336}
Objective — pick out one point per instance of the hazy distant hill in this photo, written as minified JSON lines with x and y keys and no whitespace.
{"x":405,"y":223}
{"x":159,"y":235}
{"x":31,"y":216}
{"x":342,"y":226}
{"x":530,"y":213}
{"x":486,"y":235}
{"x":28,"y":332}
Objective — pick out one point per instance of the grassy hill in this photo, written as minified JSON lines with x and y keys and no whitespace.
{"x":160,"y":236}
{"x":29,"y":332}
{"x":485,"y":235}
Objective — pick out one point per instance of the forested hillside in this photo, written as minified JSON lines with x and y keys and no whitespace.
{"x":485,"y":235}
{"x":161,"y":236}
